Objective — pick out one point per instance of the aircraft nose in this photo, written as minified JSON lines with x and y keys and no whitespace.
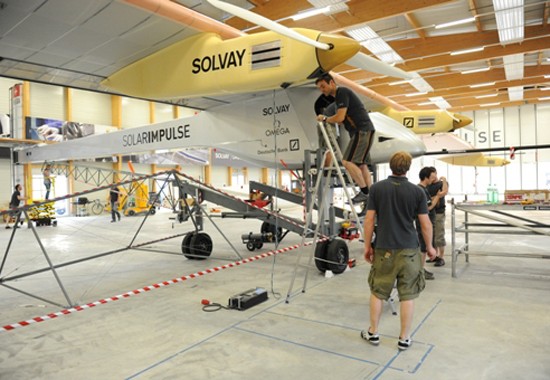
{"x":460,"y":121}
{"x":343,"y":48}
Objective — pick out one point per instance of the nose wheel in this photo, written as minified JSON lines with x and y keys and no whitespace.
{"x":333,"y":256}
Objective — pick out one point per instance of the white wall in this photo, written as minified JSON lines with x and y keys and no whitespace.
{"x":91,"y":107}
{"x":135,"y":113}
{"x":47,"y":101}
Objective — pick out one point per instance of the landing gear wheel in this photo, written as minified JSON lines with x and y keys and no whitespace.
{"x":250,"y":246}
{"x":338,"y":256}
{"x":201,"y":246}
{"x":185,"y":243}
{"x":321,"y":254}
{"x":268,"y":227}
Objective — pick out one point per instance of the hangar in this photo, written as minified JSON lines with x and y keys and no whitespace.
{"x":166,"y":98}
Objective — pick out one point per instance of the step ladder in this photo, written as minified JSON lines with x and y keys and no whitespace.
{"x":321,"y":188}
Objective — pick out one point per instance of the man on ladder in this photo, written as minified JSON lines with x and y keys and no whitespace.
{"x":356,"y":120}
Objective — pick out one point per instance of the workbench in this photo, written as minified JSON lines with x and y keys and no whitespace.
{"x":502,"y":219}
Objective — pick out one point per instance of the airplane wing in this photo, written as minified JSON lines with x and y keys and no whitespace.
{"x":442,"y":146}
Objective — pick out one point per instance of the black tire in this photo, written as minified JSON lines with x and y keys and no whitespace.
{"x":185,"y":245}
{"x":321,"y":253}
{"x":201,"y":246}
{"x":337,"y":256}
{"x":259,"y":245}
{"x":131,"y":212}
{"x":250,"y":246}
{"x":152,"y":211}
{"x":268,"y":227}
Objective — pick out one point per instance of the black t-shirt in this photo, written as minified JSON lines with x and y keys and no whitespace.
{"x":433,"y":189}
{"x":113,"y":194}
{"x":397,"y":203}
{"x":14,"y":202}
{"x":357,"y":117}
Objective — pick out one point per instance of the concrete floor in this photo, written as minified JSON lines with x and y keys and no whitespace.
{"x":489,"y":323}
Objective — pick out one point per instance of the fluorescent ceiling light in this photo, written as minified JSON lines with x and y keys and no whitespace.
{"x":544,"y":88}
{"x":440,"y":102}
{"x":482,"y":84}
{"x":476,"y":70}
{"x":489,"y":104}
{"x":486,"y":96}
{"x":372,"y":41}
{"x":515,"y":93}
{"x":400,"y":82}
{"x":510,"y":20}
{"x":513,"y":66}
{"x":454,"y":23}
{"x":425,"y":104}
{"x":415,"y":94}
{"x":310,"y":13}
{"x":547,"y":76}
{"x":545,"y":98}
{"x":467,"y":51}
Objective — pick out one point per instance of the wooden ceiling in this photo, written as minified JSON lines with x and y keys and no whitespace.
{"x":408,"y":27}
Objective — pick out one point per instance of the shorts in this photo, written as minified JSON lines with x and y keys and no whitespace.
{"x":359,"y":147}
{"x":330,"y":129}
{"x":421,"y":238}
{"x":402,"y":267}
{"x":439,"y":231}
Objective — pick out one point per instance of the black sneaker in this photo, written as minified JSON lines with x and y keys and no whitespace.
{"x":428,"y":275}
{"x":8,"y":227}
{"x":360,"y":197}
{"x":439,"y":262}
{"x":431,"y":260}
{"x":373,"y":339}
{"x":403,"y":344}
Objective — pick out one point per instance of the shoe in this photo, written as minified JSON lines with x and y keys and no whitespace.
{"x":360,"y":197}
{"x":431,"y":261}
{"x":403,"y":344}
{"x":373,"y":339}
{"x":8,"y":227}
{"x":428,"y":275}
{"x":439,"y":262}
{"x":113,"y":221}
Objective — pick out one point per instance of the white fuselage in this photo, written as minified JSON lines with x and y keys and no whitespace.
{"x":262,"y":130}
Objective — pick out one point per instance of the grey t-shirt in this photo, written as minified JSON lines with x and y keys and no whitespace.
{"x":397,"y":203}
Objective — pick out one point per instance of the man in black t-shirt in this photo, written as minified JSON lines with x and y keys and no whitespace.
{"x":395,"y":203}
{"x":355,"y":118}
{"x":113,"y":198}
{"x":15,"y":202}
{"x":427,"y":176}
{"x":441,"y":187}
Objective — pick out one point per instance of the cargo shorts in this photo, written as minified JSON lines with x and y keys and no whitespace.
{"x":399,"y":267}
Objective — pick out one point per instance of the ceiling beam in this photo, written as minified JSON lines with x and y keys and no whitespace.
{"x":419,"y":29}
{"x":473,"y":10}
{"x":360,"y":12}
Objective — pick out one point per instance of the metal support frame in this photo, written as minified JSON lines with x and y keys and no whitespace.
{"x":511,"y":226}
{"x":316,"y":195}
{"x":53,"y":267}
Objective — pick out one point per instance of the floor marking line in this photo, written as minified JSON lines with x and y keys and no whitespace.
{"x":71,"y":310}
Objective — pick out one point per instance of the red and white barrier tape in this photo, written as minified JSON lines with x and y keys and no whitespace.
{"x":148,"y":288}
